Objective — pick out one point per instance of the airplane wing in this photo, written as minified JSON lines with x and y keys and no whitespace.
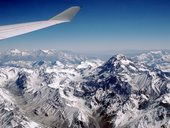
{"x":8,"y":31}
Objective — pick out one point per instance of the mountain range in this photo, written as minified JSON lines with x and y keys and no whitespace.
{"x":51,"y":89}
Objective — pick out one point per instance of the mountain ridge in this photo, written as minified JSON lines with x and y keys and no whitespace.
{"x":121,"y":92}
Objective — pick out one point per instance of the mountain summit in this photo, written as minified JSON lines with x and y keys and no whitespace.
{"x":74,"y":91}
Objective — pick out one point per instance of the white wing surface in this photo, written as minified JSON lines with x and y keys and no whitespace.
{"x":8,"y":31}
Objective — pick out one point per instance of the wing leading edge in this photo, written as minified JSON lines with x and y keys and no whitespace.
{"x":8,"y":31}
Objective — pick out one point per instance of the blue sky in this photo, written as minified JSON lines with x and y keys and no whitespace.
{"x":101,"y":25}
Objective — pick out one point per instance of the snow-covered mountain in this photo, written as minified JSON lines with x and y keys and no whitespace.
{"x":15,"y":55}
{"x":126,"y":94}
{"x":49,"y":89}
{"x":156,"y":59}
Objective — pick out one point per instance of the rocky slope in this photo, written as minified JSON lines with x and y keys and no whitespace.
{"x":78,"y":92}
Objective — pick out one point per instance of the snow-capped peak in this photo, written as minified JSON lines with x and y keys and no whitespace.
{"x":69,"y":91}
{"x":15,"y":51}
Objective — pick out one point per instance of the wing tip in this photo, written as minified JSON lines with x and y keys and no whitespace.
{"x":67,"y":15}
